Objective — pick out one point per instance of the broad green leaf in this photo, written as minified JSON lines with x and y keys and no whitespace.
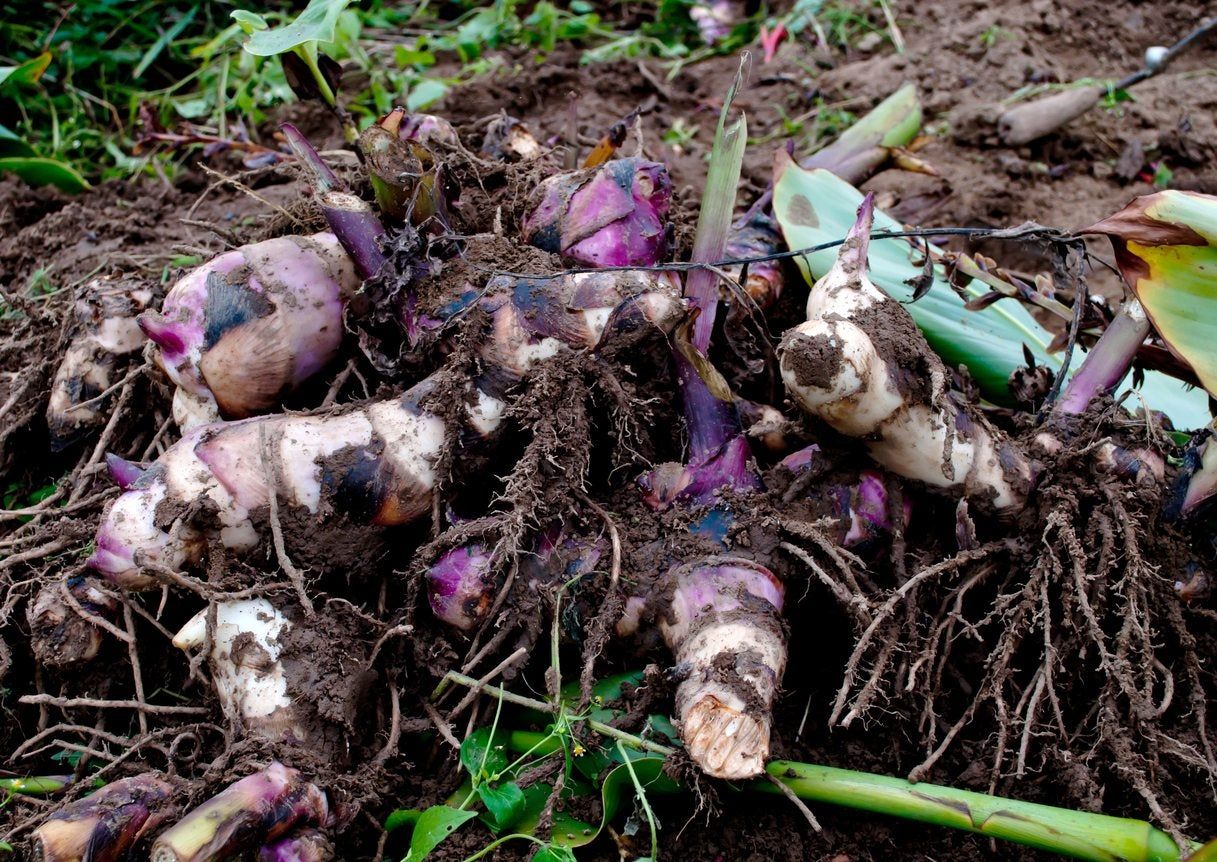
{"x":12,"y":144}
{"x":553,"y":854}
{"x":504,"y":804}
{"x":316,"y":23}
{"x":1166,"y":246}
{"x":482,"y":755}
{"x":41,"y":172}
{"x":24,"y":73}
{"x":815,"y":207}
{"x":433,"y":826}
{"x":424,"y":93}
{"x":616,"y":789}
{"x":401,"y":817}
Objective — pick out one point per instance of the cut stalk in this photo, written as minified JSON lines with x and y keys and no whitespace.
{"x":350,"y":218}
{"x":1108,"y":361}
{"x":867,"y":144}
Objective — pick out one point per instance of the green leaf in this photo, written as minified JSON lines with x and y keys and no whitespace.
{"x":481,"y":755}
{"x":401,"y":817}
{"x":24,"y":73}
{"x":553,"y":853}
{"x":815,"y":207}
{"x":433,"y":826}
{"x":404,"y":57}
{"x":316,"y":23}
{"x":504,"y":804}
{"x":163,"y":42}
{"x":38,"y":171}
{"x":12,"y":144}
{"x":616,"y":789}
{"x":250,"y":22}
{"x":425,"y":93}
{"x":1166,"y":247}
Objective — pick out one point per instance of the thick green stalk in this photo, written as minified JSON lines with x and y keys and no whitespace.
{"x":1079,"y":834}
{"x":865,"y":145}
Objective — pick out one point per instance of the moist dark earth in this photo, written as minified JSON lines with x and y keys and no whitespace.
{"x":963,"y":57}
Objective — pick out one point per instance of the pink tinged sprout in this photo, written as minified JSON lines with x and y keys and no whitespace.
{"x":613,"y":215}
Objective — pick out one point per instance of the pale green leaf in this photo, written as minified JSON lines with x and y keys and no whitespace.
{"x":317,"y":23}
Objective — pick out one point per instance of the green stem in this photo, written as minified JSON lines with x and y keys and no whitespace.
{"x":37,"y":785}
{"x":541,"y":706}
{"x":1079,"y":834}
{"x":642,"y":797}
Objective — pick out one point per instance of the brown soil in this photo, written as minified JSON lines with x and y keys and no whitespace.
{"x":1125,"y":745}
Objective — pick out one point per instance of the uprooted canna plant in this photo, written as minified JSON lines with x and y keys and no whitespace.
{"x":477,"y":424}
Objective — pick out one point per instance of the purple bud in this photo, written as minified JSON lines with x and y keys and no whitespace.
{"x":460,"y":586}
{"x":427,"y":129}
{"x":123,"y":473}
{"x":613,"y":215}
{"x":701,"y":483}
{"x":171,"y":338}
{"x":802,"y":460}
{"x":311,"y":845}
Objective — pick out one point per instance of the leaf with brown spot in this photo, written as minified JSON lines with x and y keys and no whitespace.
{"x":1166,"y":247}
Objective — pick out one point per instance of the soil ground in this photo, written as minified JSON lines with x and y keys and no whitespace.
{"x":962,"y":56}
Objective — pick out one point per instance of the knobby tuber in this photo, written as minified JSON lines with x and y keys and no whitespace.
{"x":371,"y":465}
{"x":106,"y":824}
{"x":860,"y":364}
{"x":612,"y":215}
{"x":104,"y":329}
{"x":239,"y":332}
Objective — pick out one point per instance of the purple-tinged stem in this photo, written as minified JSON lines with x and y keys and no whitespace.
{"x":350,"y":218}
{"x":1107,"y":362}
{"x":122,"y":472}
{"x":256,"y":810}
{"x":1197,"y":482}
{"x":106,"y":824}
{"x":711,"y":422}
